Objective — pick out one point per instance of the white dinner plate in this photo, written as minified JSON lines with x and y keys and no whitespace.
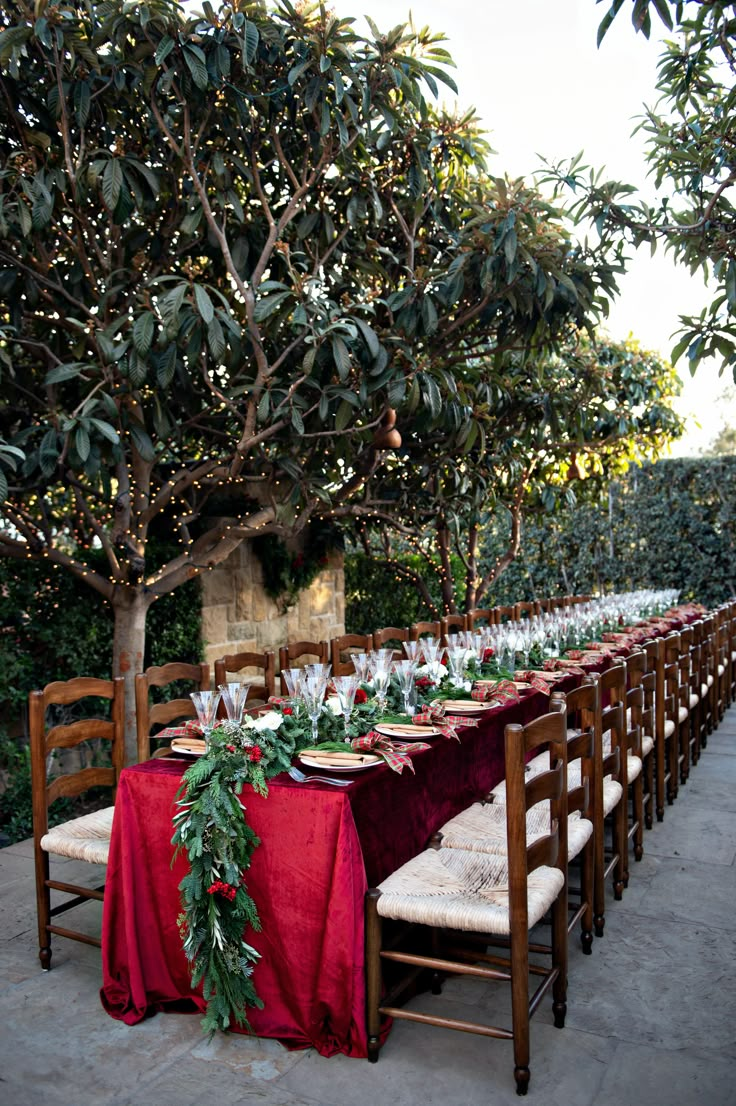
{"x":465,"y":706}
{"x":328,"y":769}
{"x":186,"y":750}
{"x":407,"y":732}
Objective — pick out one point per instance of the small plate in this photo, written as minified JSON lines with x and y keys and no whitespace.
{"x":187,"y":750}
{"x":465,"y":706}
{"x":328,"y":769}
{"x":407,"y":732}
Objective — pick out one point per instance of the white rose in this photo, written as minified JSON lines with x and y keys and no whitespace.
{"x":271,"y":720}
{"x":333,"y":704}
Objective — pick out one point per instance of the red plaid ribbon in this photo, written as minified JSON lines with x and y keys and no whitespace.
{"x":276,"y":700}
{"x":505,"y":691}
{"x":434,"y":715}
{"x":535,"y":680}
{"x":556,"y":663}
{"x":393,"y":752}
{"x":188,"y":729}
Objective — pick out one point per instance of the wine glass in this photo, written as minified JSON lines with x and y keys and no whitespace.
{"x":233,"y":697}
{"x":206,"y":704}
{"x":362,"y":666}
{"x":405,"y":671}
{"x":381,"y":661}
{"x":413,"y":650}
{"x":456,"y":657}
{"x":346,"y":687}
{"x":293,"y":679}
{"x":312,"y":690}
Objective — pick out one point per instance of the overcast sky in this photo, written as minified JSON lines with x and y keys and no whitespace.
{"x":532,"y":70}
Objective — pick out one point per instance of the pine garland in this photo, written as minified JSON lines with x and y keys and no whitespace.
{"x":210,"y":826}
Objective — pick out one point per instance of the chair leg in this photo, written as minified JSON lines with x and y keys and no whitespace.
{"x":637,"y":791}
{"x":620,"y":846}
{"x":649,"y":790}
{"x":373,"y":934}
{"x":559,"y":958}
{"x":587,"y":881}
{"x":520,"y":1008}
{"x":660,"y":760}
{"x":43,"y":908}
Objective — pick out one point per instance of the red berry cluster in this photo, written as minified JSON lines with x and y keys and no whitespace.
{"x":254,"y":754}
{"x":225,"y":889}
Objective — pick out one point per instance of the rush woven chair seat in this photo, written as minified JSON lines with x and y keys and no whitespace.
{"x":87,"y":837}
{"x":488,"y":896}
{"x":481,"y":825}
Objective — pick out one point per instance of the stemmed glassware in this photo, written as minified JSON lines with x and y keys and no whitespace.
{"x":233,"y":697}
{"x":206,"y":704}
{"x":456,"y":657}
{"x":413,"y":650}
{"x":362,"y":666}
{"x":346,"y":687}
{"x":381,"y":661}
{"x":405,"y":672}
{"x":312,"y":690}
{"x":432,"y":650}
{"x":293,"y":678}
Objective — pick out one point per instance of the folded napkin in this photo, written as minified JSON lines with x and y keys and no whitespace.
{"x":501,"y":692}
{"x":188,"y":745}
{"x":339,"y":759}
{"x":395,"y":753}
{"x":434,"y":714}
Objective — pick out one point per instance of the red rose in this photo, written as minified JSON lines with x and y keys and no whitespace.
{"x":361,"y":696}
{"x":487,"y":654}
{"x":287,"y":710}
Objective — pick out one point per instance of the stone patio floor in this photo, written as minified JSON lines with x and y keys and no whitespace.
{"x":651,"y":1014}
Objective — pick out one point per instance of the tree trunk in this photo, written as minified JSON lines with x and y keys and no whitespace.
{"x":447,"y":582}
{"x":130,"y":605}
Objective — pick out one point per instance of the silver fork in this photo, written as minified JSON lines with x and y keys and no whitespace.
{"x":300,"y":777}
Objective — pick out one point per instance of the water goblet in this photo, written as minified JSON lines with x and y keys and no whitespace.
{"x":381,"y":662}
{"x":293,"y":678}
{"x":233,"y":698}
{"x":206,"y":704}
{"x":456,"y":656}
{"x":312,"y":690}
{"x":362,"y":666}
{"x":346,"y":687}
{"x":405,"y":672}
{"x":413,"y":650}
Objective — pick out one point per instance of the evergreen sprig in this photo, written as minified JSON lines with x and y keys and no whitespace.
{"x":210,"y":826}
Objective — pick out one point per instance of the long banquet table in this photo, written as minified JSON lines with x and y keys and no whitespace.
{"x":321,"y":848}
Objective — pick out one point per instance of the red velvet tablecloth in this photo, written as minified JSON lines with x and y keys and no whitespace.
{"x":321,"y":848}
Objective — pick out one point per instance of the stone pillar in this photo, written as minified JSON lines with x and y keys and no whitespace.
{"x":238,"y":616}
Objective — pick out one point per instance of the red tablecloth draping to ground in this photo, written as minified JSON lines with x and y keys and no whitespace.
{"x":321,"y":848}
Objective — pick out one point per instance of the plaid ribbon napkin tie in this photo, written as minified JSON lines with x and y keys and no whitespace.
{"x":393,"y":752}
{"x":505,"y":691}
{"x":434,"y":715}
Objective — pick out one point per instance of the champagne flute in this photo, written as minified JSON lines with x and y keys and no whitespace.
{"x":346,"y":687}
{"x":381,"y":662}
{"x":206,"y":704}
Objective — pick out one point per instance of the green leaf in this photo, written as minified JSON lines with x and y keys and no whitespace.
{"x":268,"y":304}
{"x":197,"y":65}
{"x":341,"y":357}
{"x":64,"y":372}
{"x":250,"y":41}
{"x":164,"y":48}
{"x":205,"y":307}
{"x":112,"y":180}
{"x":296,"y":420}
{"x":3,"y":486}
{"x":143,"y":333}
{"x":369,"y":337}
{"x":82,"y":99}
{"x":216,"y":338}
{"x":105,"y":430}
{"x":81,"y":442}
{"x":344,"y":415}
{"x":142,"y":442}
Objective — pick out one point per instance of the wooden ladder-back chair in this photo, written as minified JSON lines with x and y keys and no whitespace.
{"x":424,"y":629}
{"x":639,"y":754}
{"x":689,"y":692}
{"x":87,"y":837}
{"x":451,"y":891}
{"x":159,"y":715}
{"x":477,"y":615}
{"x":677,"y":693}
{"x":723,"y":664}
{"x":450,"y":625}
{"x":503,"y":614}
{"x":708,"y":686}
{"x":257,"y":670}
{"x":342,"y":647}
{"x":655,"y":715}
{"x":525,"y":610}
{"x":610,"y":790}
{"x":481,"y":827}
{"x":391,"y":637}
{"x":306,"y":652}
